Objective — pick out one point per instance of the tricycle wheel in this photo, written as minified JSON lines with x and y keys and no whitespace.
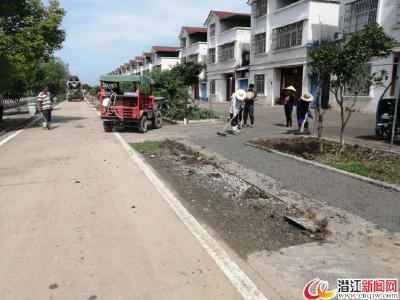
{"x":108,"y":126}
{"x":143,"y":125}
{"x":157,"y":121}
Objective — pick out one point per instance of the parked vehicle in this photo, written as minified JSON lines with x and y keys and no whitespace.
{"x":1,"y":108}
{"x":385,"y":118}
{"x":74,"y":89}
{"x":128,"y":100}
{"x":385,"y":115}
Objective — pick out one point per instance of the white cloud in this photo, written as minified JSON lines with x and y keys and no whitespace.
{"x":103,"y":34}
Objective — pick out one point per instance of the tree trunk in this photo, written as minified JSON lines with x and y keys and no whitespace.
{"x":341,"y":147}
{"x":320,"y":129}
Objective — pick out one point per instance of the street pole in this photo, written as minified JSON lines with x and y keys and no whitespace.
{"x":395,"y":108}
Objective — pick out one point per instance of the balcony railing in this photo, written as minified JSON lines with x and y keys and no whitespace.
{"x":359,"y":14}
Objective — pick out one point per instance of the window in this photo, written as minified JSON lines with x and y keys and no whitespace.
{"x":398,"y":12}
{"x":226,"y":52}
{"x":259,"y":83}
{"x":212,"y":30}
{"x":363,"y":90}
{"x":359,"y":14}
{"x":287,"y":36}
{"x":157,"y":68}
{"x":212,"y":87}
{"x":193,"y":57}
{"x":260,"y":8}
{"x":211,"y":56}
{"x":183,"y":42}
{"x":259,"y":43}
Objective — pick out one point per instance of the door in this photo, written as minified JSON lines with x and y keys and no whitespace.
{"x":230,"y":86}
{"x":243,"y":84}
{"x":204,"y":92}
{"x":294,"y":77}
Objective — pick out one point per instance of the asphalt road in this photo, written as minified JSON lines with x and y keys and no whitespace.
{"x":79,"y":220}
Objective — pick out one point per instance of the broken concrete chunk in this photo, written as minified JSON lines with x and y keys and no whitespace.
{"x":303,"y":223}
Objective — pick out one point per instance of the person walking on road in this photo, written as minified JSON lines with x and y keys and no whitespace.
{"x":303,"y":110}
{"x":235,"y":108}
{"x":251,"y":97}
{"x":45,"y":106}
{"x":288,"y":103}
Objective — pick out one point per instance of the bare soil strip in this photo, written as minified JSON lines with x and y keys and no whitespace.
{"x":245,"y":217}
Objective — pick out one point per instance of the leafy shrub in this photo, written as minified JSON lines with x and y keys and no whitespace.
{"x":198,"y":113}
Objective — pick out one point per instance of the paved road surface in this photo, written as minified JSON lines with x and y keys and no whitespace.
{"x":66,"y":221}
{"x":374,"y":203}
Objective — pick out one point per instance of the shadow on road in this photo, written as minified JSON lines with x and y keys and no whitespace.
{"x":378,"y":139}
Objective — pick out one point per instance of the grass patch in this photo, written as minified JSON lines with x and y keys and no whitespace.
{"x":372,"y":163}
{"x":148,"y":146}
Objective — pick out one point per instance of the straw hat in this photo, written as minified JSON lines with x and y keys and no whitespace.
{"x":240,"y":94}
{"x":307,"y":97}
{"x":291,"y":88}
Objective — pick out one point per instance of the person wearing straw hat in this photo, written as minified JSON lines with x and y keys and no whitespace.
{"x":288,"y":103}
{"x":237,"y":100}
{"x":303,"y":110}
{"x":251,"y":97}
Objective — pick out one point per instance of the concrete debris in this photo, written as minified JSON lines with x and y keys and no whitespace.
{"x":303,"y":223}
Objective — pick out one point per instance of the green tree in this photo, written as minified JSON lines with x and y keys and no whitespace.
{"x":345,"y":64}
{"x":53,"y":73}
{"x":171,"y":87}
{"x":189,"y":72}
{"x":29,"y":33}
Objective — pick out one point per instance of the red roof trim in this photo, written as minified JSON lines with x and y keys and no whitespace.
{"x":227,"y":14}
{"x":165,"y":49}
{"x":193,"y":30}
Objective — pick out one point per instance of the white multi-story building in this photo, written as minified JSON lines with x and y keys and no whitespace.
{"x":194,"y":48}
{"x":147,"y":63}
{"x":282,"y":32}
{"x":164,"y":58}
{"x":228,"y":53}
{"x":354,"y":16}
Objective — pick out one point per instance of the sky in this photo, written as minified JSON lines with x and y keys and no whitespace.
{"x":104,"y":34}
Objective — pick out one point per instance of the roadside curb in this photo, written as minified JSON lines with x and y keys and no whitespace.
{"x":359,"y":177}
{"x":189,"y":122}
{"x":237,"y":277}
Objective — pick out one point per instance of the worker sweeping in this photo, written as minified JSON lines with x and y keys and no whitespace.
{"x":237,"y":102}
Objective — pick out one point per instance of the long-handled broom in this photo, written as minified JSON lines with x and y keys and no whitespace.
{"x":222,"y":132}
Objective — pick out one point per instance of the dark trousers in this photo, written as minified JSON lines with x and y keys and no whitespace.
{"x":248,"y":110}
{"x":238,"y":119}
{"x":47,"y":114}
{"x":288,"y":113}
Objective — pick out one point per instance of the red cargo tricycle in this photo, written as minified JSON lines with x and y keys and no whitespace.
{"x":128,"y":100}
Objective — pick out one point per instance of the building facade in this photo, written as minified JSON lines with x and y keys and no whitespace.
{"x":228,"y":55}
{"x":282,"y":31}
{"x":193,"y":41}
{"x":164,"y":58}
{"x":354,"y":16}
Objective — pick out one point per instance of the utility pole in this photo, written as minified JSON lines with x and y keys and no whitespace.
{"x":396,"y":106}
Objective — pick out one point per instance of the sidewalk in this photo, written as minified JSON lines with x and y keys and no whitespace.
{"x":79,"y":220}
{"x":13,"y":118}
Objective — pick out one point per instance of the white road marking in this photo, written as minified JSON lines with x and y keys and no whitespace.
{"x":10,"y":137}
{"x":234,"y":273}
{"x":16,"y":133}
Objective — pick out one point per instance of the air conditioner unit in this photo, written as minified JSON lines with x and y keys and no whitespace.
{"x":337,"y":36}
